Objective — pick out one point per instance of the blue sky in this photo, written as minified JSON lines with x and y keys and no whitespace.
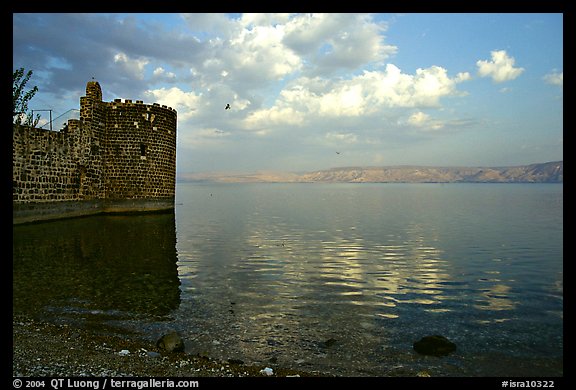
{"x":381,"y":89}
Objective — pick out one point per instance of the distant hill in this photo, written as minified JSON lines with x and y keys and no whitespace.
{"x":550,"y":172}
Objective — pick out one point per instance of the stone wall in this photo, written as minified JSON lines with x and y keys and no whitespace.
{"x":52,"y":166}
{"x":120,"y":156}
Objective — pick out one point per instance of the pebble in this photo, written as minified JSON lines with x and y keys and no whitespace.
{"x":171,"y":342}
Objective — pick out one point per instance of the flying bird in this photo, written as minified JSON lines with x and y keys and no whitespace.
{"x":227,"y":106}
{"x":337,"y":152}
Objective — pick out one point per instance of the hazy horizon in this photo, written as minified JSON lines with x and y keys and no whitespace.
{"x":264,"y":170}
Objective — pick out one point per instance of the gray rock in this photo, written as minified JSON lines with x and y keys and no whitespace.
{"x":434,"y":345}
{"x":328,"y":343}
{"x":171,"y":342}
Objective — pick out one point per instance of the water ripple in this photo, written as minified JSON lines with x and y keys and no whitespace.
{"x":305,"y":267}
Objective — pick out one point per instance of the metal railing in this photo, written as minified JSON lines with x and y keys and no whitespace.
{"x":60,"y":120}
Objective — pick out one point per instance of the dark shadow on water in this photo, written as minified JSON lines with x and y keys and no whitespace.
{"x":106,"y":267}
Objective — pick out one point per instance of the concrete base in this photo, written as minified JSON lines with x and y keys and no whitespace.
{"x":44,"y":211}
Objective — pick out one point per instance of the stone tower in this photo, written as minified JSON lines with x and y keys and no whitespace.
{"x":118,"y":157}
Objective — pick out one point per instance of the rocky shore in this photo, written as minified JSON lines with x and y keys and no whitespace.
{"x":41,"y":349}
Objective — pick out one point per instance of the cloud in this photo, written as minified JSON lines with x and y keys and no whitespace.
{"x":275,"y":116}
{"x":203,"y":137}
{"x":424,"y":122}
{"x":102,"y":46}
{"x":500,"y":68}
{"x":264,"y":19}
{"x":258,"y":54}
{"x":555,"y":78}
{"x":185,"y":103}
{"x":209,"y":24}
{"x":341,"y":138}
{"x":161,"y":74}
{"x":308,"y":99}
{"x":419,"y":119}
{"x":329,"y":42}
{"x":246,"y":53}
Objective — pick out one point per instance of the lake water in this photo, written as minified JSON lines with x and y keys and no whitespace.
{"x":337,"y":278}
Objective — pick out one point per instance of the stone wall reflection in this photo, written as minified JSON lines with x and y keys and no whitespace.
{"x":119,"y":266}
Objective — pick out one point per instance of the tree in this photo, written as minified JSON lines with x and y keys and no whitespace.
{"x":20,"y":99}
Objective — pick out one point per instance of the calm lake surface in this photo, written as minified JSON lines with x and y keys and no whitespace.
{"x":338,"y":278}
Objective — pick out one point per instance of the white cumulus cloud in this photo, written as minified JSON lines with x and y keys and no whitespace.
{"x":500,"y":68}
{"x":337,"y":41}
{"x":306,"y":100}
{"x":185,"y":103}
{"x":254,"y":56}
{"x":134,"y":67}
{"x":275,"y":116}
{"x":160,"y":72}
{"x":423,"y":121}
{"x":555,"y":78}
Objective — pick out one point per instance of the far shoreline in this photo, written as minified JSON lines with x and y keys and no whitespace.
{"x":549,"y":172}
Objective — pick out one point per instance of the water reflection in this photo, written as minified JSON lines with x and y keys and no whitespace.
{"x":279,"y":289}
{"x":496,"y":297}
{"x":95,"y":268}
{"x":273,"y":272}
